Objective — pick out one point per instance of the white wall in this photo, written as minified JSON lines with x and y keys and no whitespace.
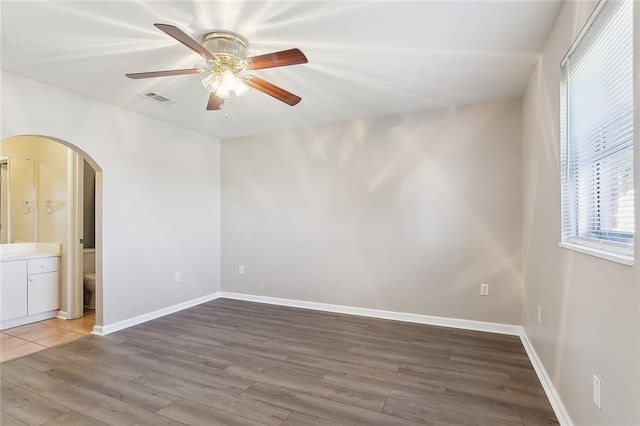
{"x":590,"y":307}
{"x":160,"y":194}
{"x":408,"y":213}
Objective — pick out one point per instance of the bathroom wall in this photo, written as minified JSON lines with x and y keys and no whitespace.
{"x":159,"y":211}
{"x":51,"y":182}
{"x":52,"y":185}
{"x":13,"y":148}
{"x":590,"y":307}
{"x":89,"y":208}
{"x":406,"y":213}
{"x":4,"y":202}
{"x":22,"y":175}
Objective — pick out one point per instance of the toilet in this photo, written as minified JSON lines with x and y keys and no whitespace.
{"x":89,"y":270}
{"x":90,"y":291}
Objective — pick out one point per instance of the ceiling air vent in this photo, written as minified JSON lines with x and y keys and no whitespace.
{"x":158,"y":98}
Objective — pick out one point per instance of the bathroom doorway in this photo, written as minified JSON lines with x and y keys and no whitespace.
{"x":85,"y":224}
{"x":67,"y":210}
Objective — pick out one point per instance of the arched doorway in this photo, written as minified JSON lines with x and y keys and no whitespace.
{"x":59,"y":185}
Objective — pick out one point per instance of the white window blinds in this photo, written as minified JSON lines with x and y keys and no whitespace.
{"x":597,"y":133}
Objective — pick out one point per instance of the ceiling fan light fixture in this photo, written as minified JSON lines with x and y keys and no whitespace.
{"x":223,"y":83}
{"x":236,"y":83}
{"x":224,"y":72}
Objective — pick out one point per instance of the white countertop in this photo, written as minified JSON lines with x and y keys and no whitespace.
{"x":21,"y":251}
{"x":6,"y":257}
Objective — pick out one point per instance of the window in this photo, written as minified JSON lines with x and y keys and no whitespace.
{"x":597,"y":136}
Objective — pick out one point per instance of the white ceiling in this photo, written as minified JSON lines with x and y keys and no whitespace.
{"x":366,"y":59}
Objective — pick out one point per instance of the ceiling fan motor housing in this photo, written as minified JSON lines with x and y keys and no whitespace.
{"x":226,"y":42}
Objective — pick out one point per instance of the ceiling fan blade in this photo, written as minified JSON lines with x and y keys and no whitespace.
{"x":215,"y":102}
{"x":185,"y":39}
{"x":152,"y":74}
{"x":272,"y":90}
{"x":276,"y":59}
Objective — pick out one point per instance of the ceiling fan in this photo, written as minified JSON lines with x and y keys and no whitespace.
{"x":225,"y":62}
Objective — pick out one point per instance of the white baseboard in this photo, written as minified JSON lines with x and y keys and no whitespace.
{"x":552,"y":394}
{"x":63,"y":315}
{"x":490,"y":327}
{"x":110,"y":328}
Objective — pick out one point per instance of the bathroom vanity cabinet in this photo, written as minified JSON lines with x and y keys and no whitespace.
{"x":29,"y":289}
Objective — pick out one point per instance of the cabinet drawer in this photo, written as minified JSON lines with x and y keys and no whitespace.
{"x":42,"y":264}
{"x":43,"y":292}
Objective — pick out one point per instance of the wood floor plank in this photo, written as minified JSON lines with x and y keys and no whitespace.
{"x":386,"y":388}
{"x":102,"y":407}
{"x":193,"y":413}
{"x":432,"y":366}
{"x":302,"y":419}
{"x":490,"y":357}
{"x":437,"y":410}
{"x":41,"y":361}
{"x":537,"y":418}
{"x":180,"y":387}
{"x":225,"y":400}
{"x":129,"y":391}
{"x":26,"y":406}
{"x":235,"y":362}
{"x":96,"y":346}
{"x":525,"y":376}
{"x":231,"y":402}
{"x":7,"y":420}
{"x":320,"y":407}
{"x":27,"y":377}
{"x":450,"y":371}
{"x":200,"y":373}
{"x":500,"y":393}
{"x":401,"y":353}
{"x":417,"y":382}
{"x":196,"y":354}
{"x":74,"y":418}
{"x":311,"y":385}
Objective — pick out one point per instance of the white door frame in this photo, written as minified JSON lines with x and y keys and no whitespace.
{"x":74,"y":250}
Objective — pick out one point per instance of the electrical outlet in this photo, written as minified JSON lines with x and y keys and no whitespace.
{"x":539,"y":315}
{"x":484,"y":289}
{"x":241,"y":269}
{"x":177,"y":277}
{"x":596,"y":392}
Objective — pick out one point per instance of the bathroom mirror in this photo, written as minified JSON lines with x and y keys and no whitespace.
{"x":17,"y":200}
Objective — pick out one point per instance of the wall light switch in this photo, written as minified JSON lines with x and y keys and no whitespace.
{"x":484,"y":289}
{"x":177,"y":277}
{"x":539,"y":315}
{"x":241,"y":269}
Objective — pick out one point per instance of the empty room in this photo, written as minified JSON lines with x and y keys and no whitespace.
{"x":319,"y":212}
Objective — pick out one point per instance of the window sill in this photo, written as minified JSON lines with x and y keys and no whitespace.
{"x":606,"y":255}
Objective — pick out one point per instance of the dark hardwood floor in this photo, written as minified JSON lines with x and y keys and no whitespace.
{"x":238,"y":363}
